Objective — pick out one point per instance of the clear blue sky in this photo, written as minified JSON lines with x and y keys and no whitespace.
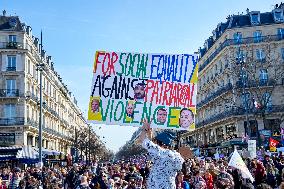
{"x":74,"y":29}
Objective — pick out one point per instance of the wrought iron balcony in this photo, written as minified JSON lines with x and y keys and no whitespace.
{"x":12,"y":121}
{"x":215,"y":94}
{"x":56,"y":133}
{"x":11,"y":45}
{"x":32,"y":122}
{"x":9,"y":93}
{"x":11,"y":68}
{"x":46,"y":129}
{"x":254,"y":83}
{"x":229,"y":42}
{"x":237,"y":111}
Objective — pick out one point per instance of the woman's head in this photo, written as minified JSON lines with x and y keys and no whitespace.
{"x":180,"y":176}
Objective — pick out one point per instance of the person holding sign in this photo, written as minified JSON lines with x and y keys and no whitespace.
{"x":186,"y":118}
{"x":166,"y":162}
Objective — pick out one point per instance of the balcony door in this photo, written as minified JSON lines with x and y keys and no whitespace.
{"x":12,"y":62}
{"x":11,"y":87}
{"x":10,"y":111}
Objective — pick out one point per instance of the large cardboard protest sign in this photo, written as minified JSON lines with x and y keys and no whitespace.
{"x":129,"y":87}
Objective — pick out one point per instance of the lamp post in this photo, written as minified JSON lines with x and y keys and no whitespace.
{"x":241,"y":60}
{"x":89,"y":146}
{"x":76,"y":146}
{"x":40,"y":68}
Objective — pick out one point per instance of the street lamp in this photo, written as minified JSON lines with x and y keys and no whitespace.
{"x":240,"y":60}
{"x":40,"y":68}
{"x":89,"y":146}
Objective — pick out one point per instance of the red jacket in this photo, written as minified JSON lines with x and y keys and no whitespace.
{"x":209,"y":181}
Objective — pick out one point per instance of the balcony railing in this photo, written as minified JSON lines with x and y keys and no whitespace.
{"x":46,"y":107}
{"x":46,"y":129}
{"x":9,"y":93}
{"x":215,"y":94}
{"x":239,"y":84}
{"x":32,"y":122}
{"x":11,"y":45}
{"x":254,"y":83}
{"x":11,"y":68}
{"x":12,"y":121}
{"x":229,"y":42}
{"x":238,"y":111}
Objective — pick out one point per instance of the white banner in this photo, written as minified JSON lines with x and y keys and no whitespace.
{"x":130,"y":87}
{"x":237,"y":162}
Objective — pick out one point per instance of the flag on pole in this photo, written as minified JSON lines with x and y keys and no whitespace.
{"x":272,"y":144}
{"x":257,"y":105}
{"x":237,"y":162}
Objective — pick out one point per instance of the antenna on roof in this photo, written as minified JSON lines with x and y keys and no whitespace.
{"x":4,"y":12}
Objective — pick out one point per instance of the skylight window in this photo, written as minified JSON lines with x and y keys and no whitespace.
{"x":255,"y":18}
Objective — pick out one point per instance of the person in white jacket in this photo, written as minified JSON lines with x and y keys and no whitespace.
{"x":166,"y":162}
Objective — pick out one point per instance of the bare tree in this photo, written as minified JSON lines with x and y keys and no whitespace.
{"x":258,"y":71}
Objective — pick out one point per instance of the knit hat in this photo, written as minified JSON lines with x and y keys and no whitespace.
{"x":166,"y":138}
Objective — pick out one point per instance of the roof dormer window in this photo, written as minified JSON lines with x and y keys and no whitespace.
{"x":255,"y":17}
{"x":278,"y":15}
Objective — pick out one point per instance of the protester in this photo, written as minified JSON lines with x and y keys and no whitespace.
{"x":166,"y":162}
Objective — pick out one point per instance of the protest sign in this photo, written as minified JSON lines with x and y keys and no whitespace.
{"x":252,"y":148}
{"x":129,"y":87}
{"x":236,"y":161}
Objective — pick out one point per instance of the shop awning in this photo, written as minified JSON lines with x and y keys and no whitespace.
{"x":50,"y":152}
{"x":27,"y":152}
{"x":232,"y":142}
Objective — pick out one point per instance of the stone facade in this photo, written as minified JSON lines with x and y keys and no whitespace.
{"x":240,"y":66}
{"x":20,"y":93}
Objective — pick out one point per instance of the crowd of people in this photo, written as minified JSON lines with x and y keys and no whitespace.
{"x":160,"y":168}
{"x":132,"y":174}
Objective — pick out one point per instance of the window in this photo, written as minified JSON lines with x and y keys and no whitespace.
{"x":278,"y":15}
{"x":246,"y":101}
{"x":11,"y":63}
{"x":12,"y":38}
{"x":255,"y":18}
{"x":267,"y":100}
{"x":257,"y":36}
{"x":238,"y":37}
{"x":260,"y":56}
{"x":240,"y":56}
{"x":282,"y":53}
{"x":10,"y":111}
{"x":243,"y":78}
{"x":280,"y":33}
{"x":11,"y":87}
{"x":29,"y":66}
{"x":263,"y":77}
{"x":28,"y":112}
